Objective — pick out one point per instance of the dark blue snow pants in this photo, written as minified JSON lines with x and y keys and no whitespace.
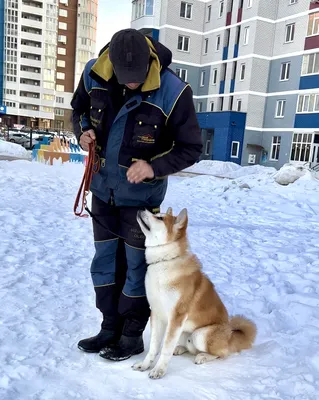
{"x":118,"y":268}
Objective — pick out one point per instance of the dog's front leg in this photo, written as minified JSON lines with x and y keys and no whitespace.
{"x":157,"y":332}
{"x":173,"y":332}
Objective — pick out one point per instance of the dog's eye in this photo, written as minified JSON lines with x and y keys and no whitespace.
{"x":160,"y":218}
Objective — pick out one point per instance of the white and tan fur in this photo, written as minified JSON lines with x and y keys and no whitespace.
{"x":186,"y":310}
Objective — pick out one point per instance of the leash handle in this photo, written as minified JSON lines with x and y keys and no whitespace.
{"x":86,"y":183}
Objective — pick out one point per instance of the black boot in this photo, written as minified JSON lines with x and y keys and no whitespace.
{"x":125,"y":348}
{"x":96,"y":343}
{"x":106,"y":337}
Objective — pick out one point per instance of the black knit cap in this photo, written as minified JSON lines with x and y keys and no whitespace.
{"x":129,"y":54}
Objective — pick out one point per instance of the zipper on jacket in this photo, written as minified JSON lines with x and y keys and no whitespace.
{"x":103,"y":162}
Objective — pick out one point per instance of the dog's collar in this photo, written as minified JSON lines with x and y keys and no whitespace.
{"x":164,"y":252}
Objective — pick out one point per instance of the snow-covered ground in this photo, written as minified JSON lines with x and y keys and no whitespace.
{"x":258,"y":241}
{"x":13,"y":150}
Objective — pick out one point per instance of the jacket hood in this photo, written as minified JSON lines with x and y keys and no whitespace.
{"x":160,"y":59}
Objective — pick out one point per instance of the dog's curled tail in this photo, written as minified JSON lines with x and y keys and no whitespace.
{"x":243,"y":333}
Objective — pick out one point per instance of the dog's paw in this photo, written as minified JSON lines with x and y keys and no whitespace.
{"x":157,"y":373}
{"x":179,"y":350}
{"x":203,"y":358}
{"x":141,"y":366}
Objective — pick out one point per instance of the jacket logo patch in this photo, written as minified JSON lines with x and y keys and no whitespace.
{"x":147,"y":139}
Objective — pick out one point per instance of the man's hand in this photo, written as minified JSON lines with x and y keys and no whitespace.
{"x":139,"y":171}
{"x":86,"y":139}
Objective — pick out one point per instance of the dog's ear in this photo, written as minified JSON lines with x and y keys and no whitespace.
{"x":169,"y":211}
{"x":182,"y":219}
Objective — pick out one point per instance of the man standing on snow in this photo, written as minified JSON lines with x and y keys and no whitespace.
{"x":143,"y":120}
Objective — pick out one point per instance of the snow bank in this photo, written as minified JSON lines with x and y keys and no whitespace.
{"x":13,"y":150}
{"x":289,"y":173}
{"x":230,"y":170}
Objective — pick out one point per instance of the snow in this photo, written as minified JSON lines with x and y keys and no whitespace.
{"x":257,"y":240}
{"x":13,"y":150}
{"x":227,"y":169}
{"x":289,"y":173}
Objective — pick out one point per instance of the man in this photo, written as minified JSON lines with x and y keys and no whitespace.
{"x":142,"y":117}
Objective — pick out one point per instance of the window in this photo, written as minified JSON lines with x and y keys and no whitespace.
{"x":246,"y":35}
{"x":249,"y":3}
{"x":221,"y":8}
{"x":212,"y":106}
{"x":285,"y":71}
{"x":59,"y":111}
{"x":207,"y":148}
{"x":215,"y":76}
{"x":308,"y":103}
{"x":310,"y":64}
{"x":275,"y":148}
{"x":48,"y":97}
{"x":291,"y":2}
{"x":182,"y":73}
{"x":202,"y":78}
{"x":60,"y":75}
{"x":59,"y":100}
{"x":235,"y":149}
{"x":183,"y":43}
{"x":47,"y":109}
{"x":63,"y":13}
{"x":206,"y":46}
{"x":301,"y":146}
{"x":290,"y":33}
{"x":199,"y":106}
{"x":61,"y":51}
{"x":60,"y":88}
{"x":313,"y":25}
{"x":239,"y":103}
{"x":280,"y":109}
{"x":186,"y":10}
{"x":62,"y":39}
{"x":61,"y":63}
{"x":217,"y":43}
{"x":209,"y":13}
{"x":63,"y":26}
{"x":242,"y":71}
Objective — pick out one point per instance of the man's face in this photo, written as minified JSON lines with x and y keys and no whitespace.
{"x":132,"y":86}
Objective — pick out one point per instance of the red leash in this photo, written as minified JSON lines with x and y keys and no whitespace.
{"x":91,"y":168}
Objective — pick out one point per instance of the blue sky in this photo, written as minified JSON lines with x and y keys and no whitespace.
{"x":112,"y":16}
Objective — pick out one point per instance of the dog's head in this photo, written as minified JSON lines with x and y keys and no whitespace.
{"x":160,"y":229}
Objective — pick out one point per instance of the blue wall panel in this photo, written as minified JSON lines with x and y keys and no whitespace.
{"x":309,"y":82}
{"x":236,"y":51}
{"x":222,"y":87}
{"x":225,"y":53}
{"x":307,"y":120}
{"x":228,"y":126}
{"x":232,"y":86}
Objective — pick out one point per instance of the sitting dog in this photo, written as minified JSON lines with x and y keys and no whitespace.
{"x":185,"y":308}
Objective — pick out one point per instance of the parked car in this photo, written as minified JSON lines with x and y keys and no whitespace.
{"x":24,"y":139}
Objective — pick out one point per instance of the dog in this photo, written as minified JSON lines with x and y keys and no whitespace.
{"x":185,"y":308}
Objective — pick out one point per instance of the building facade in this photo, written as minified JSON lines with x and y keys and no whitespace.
{"x":253,"y":65}
{"x":43,"y":51}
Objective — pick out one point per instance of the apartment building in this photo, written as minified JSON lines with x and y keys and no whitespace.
{"x":46,"y":43}
{"x":253,"y":66}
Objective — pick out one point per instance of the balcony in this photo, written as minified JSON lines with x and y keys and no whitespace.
{"x":31,"y":36}
{"x":222,"y":87}
{"x":30,"y":75}
{"x":225,"y":53}
{"x":33,"y":10}
{"x":30,"y":100}
{"x":312,"y":42}
{"x":31,"y":22}
{"x":29,"y":88}
{"x":31,"y":49}
{"x":30,"y":62}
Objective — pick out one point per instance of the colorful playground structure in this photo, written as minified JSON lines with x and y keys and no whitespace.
{"x":66,"y":150}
